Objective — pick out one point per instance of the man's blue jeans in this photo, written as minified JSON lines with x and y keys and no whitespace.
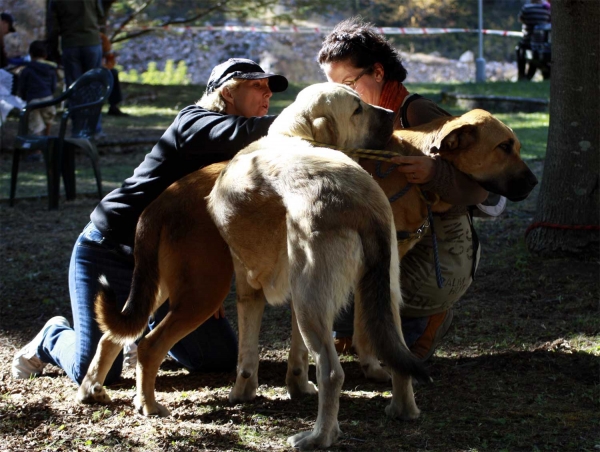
{"x":212,"y":347}
{"x":78,"y":60}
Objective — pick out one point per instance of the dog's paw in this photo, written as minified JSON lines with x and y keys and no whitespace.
{"x":241,"y":396}
{"x":375,"y":372}
{"x":408,"y":412}
{"x":245,"y":388}
{"x":311,"y":440}
{"x":150,"y":409}
{"x":300,"y":387}
{"x":93,"y":393}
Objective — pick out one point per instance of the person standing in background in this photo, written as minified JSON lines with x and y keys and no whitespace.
{"x":76,"y":23}
{"x":109,"y":62}
{"x":535,"y":13}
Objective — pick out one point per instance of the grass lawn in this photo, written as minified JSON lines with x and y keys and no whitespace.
{"x":152,"y":109}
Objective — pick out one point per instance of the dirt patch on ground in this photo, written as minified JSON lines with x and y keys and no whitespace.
{"x":518,"y":371}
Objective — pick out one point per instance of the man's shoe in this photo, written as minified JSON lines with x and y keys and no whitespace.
{"x":437,"y":327}
{"x":116,"y":111}
{"x":26,"y":362}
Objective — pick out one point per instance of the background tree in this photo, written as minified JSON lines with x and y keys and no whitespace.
{"x":567,"y":215}
{"x":131,"y":18}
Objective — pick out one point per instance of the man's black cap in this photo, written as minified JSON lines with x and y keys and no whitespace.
{"x":245,"y":69}
{"x":9,"y":19}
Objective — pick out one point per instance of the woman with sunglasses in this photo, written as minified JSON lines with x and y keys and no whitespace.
{"x":356,"y":55}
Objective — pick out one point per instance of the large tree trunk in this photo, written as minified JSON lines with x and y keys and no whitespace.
{"x":568,"y":209}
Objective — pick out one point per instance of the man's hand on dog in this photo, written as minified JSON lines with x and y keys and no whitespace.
{"x":418,"y":170}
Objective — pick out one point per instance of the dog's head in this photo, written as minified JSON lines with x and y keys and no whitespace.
{"x":334,"y":114}
{"x":480,"y":145}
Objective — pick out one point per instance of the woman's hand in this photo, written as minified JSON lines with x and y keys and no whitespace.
{"x":418,"y":170}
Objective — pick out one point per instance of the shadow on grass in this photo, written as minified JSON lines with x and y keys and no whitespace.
{"x":508,"y":401}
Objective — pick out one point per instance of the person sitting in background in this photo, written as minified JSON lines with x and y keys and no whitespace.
{"x":6,"y":27}
{"x":356,"y":55}
{"x":230,"y":116}
{"x":37,"y":83}
{"x":535,"y":13}
{"x":109,"y":61}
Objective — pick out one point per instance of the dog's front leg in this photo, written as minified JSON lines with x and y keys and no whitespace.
{"x":92,"y":387}
{"x":403,"y":405}
{"x":250,"y":307}
{"x":296,"y":380}
{"x":330,"y":378}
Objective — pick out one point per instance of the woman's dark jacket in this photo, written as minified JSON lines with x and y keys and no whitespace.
{"x":196,"y":138}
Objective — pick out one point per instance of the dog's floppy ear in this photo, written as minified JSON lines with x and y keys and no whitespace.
{"x":325,"y":131}
{"x":292,"y":123}
{"x":454,"y":137}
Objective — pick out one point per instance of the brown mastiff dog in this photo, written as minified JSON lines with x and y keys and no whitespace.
{"x":176,"y":232}
{"x":477,"y":144}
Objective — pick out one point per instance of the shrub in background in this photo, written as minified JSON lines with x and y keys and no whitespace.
{"x":171,"y":75}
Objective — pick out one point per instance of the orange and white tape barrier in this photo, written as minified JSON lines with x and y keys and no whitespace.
{"x":325,"y":30}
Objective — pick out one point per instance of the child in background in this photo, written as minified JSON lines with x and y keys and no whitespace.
{"x":37,"y":83}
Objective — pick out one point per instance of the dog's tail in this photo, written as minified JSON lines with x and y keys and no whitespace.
{"x":376,"y":306}
{"x":129,"y":323}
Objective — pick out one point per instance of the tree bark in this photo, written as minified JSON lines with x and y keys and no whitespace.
{"x":568,"y":210}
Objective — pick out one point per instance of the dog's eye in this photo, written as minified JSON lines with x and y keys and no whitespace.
{"x":358,"y":110}
{"x":506,"y":147}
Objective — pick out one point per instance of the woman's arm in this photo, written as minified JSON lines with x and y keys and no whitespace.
{"x":215,"y":135}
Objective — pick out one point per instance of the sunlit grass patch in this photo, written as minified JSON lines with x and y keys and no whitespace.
{"x":532,"y":131}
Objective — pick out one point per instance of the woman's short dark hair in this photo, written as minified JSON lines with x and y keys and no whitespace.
{"x":363,"y":46}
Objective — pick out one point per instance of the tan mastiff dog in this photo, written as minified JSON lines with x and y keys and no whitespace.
{"x":310,"y":226}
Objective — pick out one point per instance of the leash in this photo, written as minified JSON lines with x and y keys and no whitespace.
{"x":370,"y":154}
{"x":401,"y":236}
{"x":436,"y":257}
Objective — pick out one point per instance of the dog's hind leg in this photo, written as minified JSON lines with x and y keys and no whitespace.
{"x":152,"y":349}
{"x":296,"y":380}
{"x":91,"y":389}
{"x":196,"y":286}
{"x":250,"y":307}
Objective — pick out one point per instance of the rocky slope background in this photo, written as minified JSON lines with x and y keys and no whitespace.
{"x":291,"y":54}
